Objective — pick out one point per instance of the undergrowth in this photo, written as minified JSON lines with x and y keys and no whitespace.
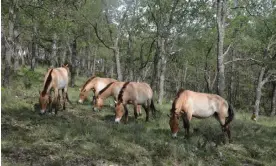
{"x":80,"y":136}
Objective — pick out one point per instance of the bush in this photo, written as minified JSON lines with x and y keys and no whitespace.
{"x":29,"y":77}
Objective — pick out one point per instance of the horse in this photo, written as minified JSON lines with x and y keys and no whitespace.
{"x":135,"y":93}
{"x":112,"y":89}
{"x":188,"y":104}
{"x":57,"y":79}
{"x":96,"y":84}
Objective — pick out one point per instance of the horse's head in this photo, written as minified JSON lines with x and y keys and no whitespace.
{"x":44,"y":100}
{"x":119,"y":112}
{"x":83,"y":95}
{"x":174,"y":123}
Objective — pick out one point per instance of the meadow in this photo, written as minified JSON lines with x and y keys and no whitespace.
{"x":80,"y":136}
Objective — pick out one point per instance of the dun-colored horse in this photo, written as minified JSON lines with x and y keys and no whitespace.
{"x":137,"y":94}
{"x":56,"y":78}
{"x":112,"y":89}
{"x":96,"y":84}
{"x":188,"y":104}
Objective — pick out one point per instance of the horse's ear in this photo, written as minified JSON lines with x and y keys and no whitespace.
{"x":66,"y":65}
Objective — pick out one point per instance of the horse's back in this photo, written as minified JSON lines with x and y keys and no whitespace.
{"x":60,"y":77}
{"x":139,"y":91}
{"x":204,"y":104}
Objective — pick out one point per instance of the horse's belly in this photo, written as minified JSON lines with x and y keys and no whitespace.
{"x":200,"y":113}
{"x":62,"y":84}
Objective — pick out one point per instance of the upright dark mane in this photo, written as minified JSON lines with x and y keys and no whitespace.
{"x":176,"y":97}
{"x":47,"y":83}
{"x":120,"y":96}
{"x":105,"y":88}
{"x":90,"y":79}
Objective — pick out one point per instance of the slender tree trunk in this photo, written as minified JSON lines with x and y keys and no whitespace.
{"x":221,"y":12}
{"x":161,"y":43}
{"x":116,"y":52}
{"x":258,"y":93}
{"x":54,"y":51}
{"x":94,"y":60}
{"x":74,"y":61}
{"x":273,"y":102}
{"x":10,"y":45}
{"x":232,"y":79}
{"x":34,"y":47}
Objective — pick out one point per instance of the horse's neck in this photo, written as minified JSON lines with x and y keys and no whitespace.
{"x":89,"y":86}
{"x":108,"y":92}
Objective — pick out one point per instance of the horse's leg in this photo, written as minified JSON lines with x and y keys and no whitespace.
{"x":146,"y":107}
{"x":185,"y":124}
{"x":227,"y":127}
{"x":135,"y":110}
{"x":126,"y":113}
{"x":221,"y":120}
{"x":63,"y":98}
{"x":56,"y":100}
{"x":187,"y":121}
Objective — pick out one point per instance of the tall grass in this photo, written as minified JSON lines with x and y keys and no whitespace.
{"x":79,"y":136}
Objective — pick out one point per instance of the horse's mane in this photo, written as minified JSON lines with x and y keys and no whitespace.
{"x":90,"y":79}
{"x":176,"y":97}
{"x":47,"y":83}
{"x":120,"y":96}
{"x":105,"y":88}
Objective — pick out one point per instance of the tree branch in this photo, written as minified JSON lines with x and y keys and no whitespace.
{"x":100,"y":39}
{"x":230,"y":45}
{"x":240,"y":59}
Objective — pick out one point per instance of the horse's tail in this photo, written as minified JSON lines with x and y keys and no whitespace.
{"x":230,"y":115}
{"x":152,"y":107}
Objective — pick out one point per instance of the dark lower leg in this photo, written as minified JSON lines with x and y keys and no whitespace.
{"x":126,"y":114}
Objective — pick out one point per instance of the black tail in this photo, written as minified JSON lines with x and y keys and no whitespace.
{"x":230,"y":115}
{"x":152,"y":107}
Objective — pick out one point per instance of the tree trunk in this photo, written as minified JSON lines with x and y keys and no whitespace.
{"x":34,"y":47}
{"x":273,"y":102}
{"x":221,"y":12}
{"x":116,"y":52}
{"x":232,"y":87}
{"x":10,"y":45}
{"x":74,"y":65}
{"x":94,"y":60}
{"x":258,"y":94}
{"x":54,"y":51}
{"x":161,"y":43}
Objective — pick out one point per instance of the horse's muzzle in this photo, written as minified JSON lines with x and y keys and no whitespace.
{"x":42,"y":112}
{"x":174,"y":135}
{"x":117,"y":120}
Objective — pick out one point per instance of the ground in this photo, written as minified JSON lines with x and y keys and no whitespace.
{"x":80,"y":136}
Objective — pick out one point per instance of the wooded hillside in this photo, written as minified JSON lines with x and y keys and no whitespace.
{"x":223,"y":47}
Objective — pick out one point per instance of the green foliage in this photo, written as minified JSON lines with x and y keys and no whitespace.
{"x":30,"y":77}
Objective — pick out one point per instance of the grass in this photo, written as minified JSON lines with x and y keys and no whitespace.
{"x":79,"y":136}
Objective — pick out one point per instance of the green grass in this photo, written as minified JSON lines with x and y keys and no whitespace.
{"x":79,"y":136}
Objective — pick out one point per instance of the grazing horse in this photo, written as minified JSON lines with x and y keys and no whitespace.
{"x":56,"y":78}
{"x":137,"y":94}
{"x":112,"y":89}
{"x":188,"y":104}
{"x":96,"y":84}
